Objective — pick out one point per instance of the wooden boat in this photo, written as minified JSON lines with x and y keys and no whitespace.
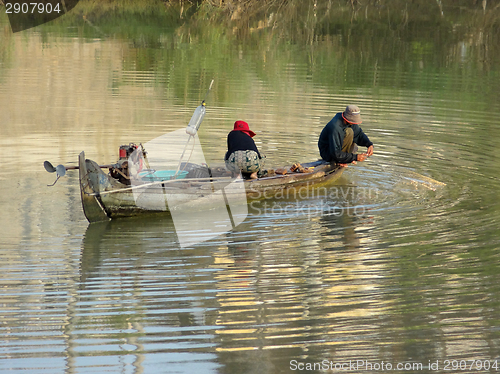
{"x":106,"y":197}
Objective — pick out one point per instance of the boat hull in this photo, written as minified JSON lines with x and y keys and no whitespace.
{"x":104,"y":198}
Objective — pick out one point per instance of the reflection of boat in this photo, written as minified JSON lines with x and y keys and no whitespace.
{"x":126,"y":238}
{"x":105,"y":196}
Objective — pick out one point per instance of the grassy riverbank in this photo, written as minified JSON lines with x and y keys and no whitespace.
{"x":297,"y":20}
{"x":386,"y":37}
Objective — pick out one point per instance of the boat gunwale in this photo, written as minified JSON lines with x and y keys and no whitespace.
{"x":286,"y":179}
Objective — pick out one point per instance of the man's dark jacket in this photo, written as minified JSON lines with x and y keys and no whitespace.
{"x":332,"y":137}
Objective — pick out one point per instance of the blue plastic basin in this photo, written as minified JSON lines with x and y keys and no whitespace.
{"x":161,"y":175}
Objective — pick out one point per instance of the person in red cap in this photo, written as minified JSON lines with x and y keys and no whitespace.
{"x":242,"y":154}
{"x":340,"y":136}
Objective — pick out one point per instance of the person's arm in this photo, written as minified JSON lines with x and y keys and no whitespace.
{"x":360,"y":138}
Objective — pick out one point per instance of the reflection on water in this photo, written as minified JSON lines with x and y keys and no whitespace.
{"x":396,"y":262}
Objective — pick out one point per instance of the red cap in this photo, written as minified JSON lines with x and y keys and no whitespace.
{"x":243,"y":126}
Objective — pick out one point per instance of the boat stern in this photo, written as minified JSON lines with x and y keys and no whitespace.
{"x":92,"y":207}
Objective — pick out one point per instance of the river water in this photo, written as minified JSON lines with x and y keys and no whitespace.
{"x":396,"y":265}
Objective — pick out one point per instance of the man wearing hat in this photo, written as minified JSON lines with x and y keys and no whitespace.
{"x":242,"y":154}
{"x":339,"y":137}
